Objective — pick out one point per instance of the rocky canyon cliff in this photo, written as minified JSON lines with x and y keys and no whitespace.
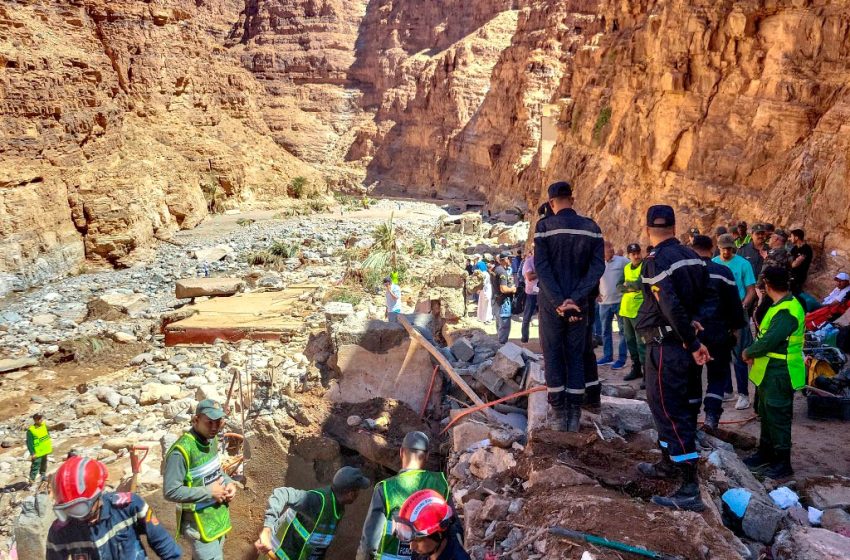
{"x":123,"y":120}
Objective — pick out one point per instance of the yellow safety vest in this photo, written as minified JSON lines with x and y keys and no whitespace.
{"x":794,"y":356}
{"x":630,"y":304}
{"x":41,"y":443}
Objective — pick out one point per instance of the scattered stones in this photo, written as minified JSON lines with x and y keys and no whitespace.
{"x":153,"y":393}
{"x":488,"y":463}
{"x":207,"y":287}
{"x":14,"y":364}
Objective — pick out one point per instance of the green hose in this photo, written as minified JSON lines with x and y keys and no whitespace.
{"x":614,"y":545}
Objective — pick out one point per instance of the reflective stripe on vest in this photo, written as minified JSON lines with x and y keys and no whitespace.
{"x":303,"y":544}
{"x":396,"y":490}
{"x":794,"y":358}
{"x":41,"y":443}
{"x":203,"y":468}
{"x":630,"y":304}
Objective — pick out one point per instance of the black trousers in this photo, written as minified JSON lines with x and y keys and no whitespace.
{"x":563,"y":345}
{"x":717,"y":373}
{"x":674,"y":391}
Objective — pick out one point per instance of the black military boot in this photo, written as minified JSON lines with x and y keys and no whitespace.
{"x":687,"y":497}
{"x":759,"y":460}
{"x":573,"y":417}
{"x":636,"y":372}
{"x":663,"y":468}
{"x":557,"y":419}
{"x":711,"y":423}
{"x":780,"y":467}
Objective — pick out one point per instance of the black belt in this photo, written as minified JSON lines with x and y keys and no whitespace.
{"x":658,"y":335}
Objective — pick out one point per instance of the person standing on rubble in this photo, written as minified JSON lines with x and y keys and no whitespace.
{"x":569,"y":260}
{"x":378,"y":540}
{"x":778,"y":369}
{"x":301,"y":524}
{"x":504,"y":289}
{"x":195,"y":480}
{"x":629,"y":306}
{"x":674,"y":282}
{"x":39,"y":446}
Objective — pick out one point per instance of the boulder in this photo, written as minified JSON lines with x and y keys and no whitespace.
{"x":32,"y":526}
{"x":371,"y":334}
{"x":336,"y":311}
{"x":809,"y":543}
{"x":828,"y":493}
{"x":448,"y":276}
{"x":517,"y":233}
{"x":495,"y":508}
{"x":467,"y":433}
{"x":508,"y":361}
{"x":463,"y":350}
{"x":761,"y":520}
{"x":626,"y":415}
{"x":619,"y":391}
{"x":108,"y":395}
{"x":122,"y":337}
{"x":115,"y":306}
{"x":487,"y":463}
{"x":153,"y":393}
{"x":207,"y":287}
{"x":213,"y":254}
{"x":14,"y":364}
{"x":837,"y":521}
{"x":208,"y":392}
{"x":736,"y":473}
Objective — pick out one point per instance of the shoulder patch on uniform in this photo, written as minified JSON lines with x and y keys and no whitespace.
{"x":122,"y":499}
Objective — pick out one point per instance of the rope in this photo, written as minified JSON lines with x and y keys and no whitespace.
{"x":428,"y":394}
{"x":476,"y":408}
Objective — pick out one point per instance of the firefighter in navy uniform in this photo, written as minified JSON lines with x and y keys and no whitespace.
{"x":721,"y":316}
{"x":674,"y":281}
{"x":569,"y":260}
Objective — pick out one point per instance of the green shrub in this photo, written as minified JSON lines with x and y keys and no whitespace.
{"x":345,"y":295}
{"x":260,"y":258}
{"x":283,"y":249}
{"x":602,"y":120}
{"x":297,"y":187}
{"x":245,"y":221}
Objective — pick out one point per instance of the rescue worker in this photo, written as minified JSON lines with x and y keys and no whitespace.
{"x":95,"y":525}
{"x":674,"y":280}
{"x":424,"y":521}
{"x":569,"y":260}
{"x":778,"y":369}
{"x":378,"y":540}
{"x":195,"y":480}
{"x":629,"y":305}
{"x":300,"y":525}
{"x":720,"y":318}
{"x":504,"y":289}
{"x":39,"y":446}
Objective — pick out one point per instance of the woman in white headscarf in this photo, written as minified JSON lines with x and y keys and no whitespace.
{"x":485,"y":299}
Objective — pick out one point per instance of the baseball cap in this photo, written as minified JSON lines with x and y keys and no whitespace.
{"x":758,"y":228}
{"x":726,"y":241}
{"x":350,"y":478}
{"x":416,"y":441}
{"x":210,"y":408}
{"x":842,"y":276}
{"x":633,"y":248}
{"x":505,"y":255}
{"x":559,"y":189}
{"x":702,"y":242}
{"x":660,"y":215}
{"x":720,"y":230}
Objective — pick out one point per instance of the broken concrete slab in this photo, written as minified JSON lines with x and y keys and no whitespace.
{"x":468,"y":433}
{"x":32,"y":526}
{"x":731,"y":472}
{"x":557,"y":476}
{"x":626,"y":415}
{"x":508,"y":361}
{"x":213,"y":254}
{"x":370,"y":334}
{"x":809,"y":543}
{"x":115,"y":306}
{"x":336,"y":311}
{"x":207,"y":287}
{"x":487,"y":463}
{"x":761,"y":520}
{"x":828,"y":492}
{"x":463,"y":350}
{"x":14,"y":364}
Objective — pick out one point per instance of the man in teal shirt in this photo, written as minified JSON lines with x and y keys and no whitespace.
{"x":745,"y":280}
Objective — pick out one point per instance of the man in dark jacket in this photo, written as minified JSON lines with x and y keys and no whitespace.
{"x":719,"y":317}
{"x":675,"y":281}
{"x":569,"y":260}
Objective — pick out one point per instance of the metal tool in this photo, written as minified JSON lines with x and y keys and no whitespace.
{"x":614,"y":545}
{"x":136,"y":461}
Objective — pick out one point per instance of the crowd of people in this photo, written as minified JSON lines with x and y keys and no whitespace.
{"x":411,"y":515}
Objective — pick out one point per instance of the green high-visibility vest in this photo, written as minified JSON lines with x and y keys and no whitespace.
{"x":41,"y":443}
{"x":203,"y":468}
{"x":294,"y":541}
{"x":794,"y":355}
{"x":396,"y":490}
{"x":630,"y":304}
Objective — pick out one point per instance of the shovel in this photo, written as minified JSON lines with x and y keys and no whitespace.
{"x":136,"y":461}
{"x":614,"y":545}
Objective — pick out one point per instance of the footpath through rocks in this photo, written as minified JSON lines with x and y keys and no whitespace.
{"x":283,"y":320}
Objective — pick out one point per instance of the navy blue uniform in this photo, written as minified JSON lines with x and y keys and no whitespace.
{"x":569,"y":260}
{"x":674,"y":281}
{"x":116,"y":535}
{"x":721,"y":314}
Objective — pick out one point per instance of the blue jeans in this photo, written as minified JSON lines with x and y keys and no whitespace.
{"x":607,"y":314}
{"x":503,"y":320}
{"x":597,"y":320}
{"x":528,"y":313}
{"x":742,"y":371}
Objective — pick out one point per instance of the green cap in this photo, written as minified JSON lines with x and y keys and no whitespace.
{"x":349,"y":478}
{"x":417,"y":441}
{"x":210,"y":408}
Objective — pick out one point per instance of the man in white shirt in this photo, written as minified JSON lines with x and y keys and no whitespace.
{"x":393,"y":299}
{"x":842,"y":288}
{"x":609,"y":307}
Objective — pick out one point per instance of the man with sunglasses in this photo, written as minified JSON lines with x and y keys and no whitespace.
{"x":424,"y":521}
{"x":93,"y":524}
{"x":195,"y":480}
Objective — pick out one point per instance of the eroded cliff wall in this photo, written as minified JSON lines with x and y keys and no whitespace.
{"x":122,"y":119}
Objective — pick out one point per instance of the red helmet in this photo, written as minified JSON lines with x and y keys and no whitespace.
{"x":77,"y":486}
{"x":423,"y":514}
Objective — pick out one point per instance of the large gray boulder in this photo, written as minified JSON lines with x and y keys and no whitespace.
{"x":32,"y":526}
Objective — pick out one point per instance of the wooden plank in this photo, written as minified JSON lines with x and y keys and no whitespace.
{"x":417,"y":337}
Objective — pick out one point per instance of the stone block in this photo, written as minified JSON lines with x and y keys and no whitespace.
{"x":836,"y":520}
{"x":463,"y":350}
{"x":626,"y":415}
{"x":14,"y":364}
{"x":828,"y":493}
{"x":495,"y":383}
{"x":495,"y":508}
{"x":449,"y":276}
{"x":208,"y":392}
{"x":336,"y":311}
{"x":508,"y":361}
{"x":213,"y":254}
{"x":153,"y":393}
{"x":487,"y":463}
{"x":112,"y":307}
{"x":32,"y":526}
{"x":207,"y":287}
{"x":761,"y":520}
{"x":468,"y":433}
{"x":809,"y":543}
{"x":557,"y":476}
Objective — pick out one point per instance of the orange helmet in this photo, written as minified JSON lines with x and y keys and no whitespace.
{"x":423,"y":514}
{"x":77,"y":485}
